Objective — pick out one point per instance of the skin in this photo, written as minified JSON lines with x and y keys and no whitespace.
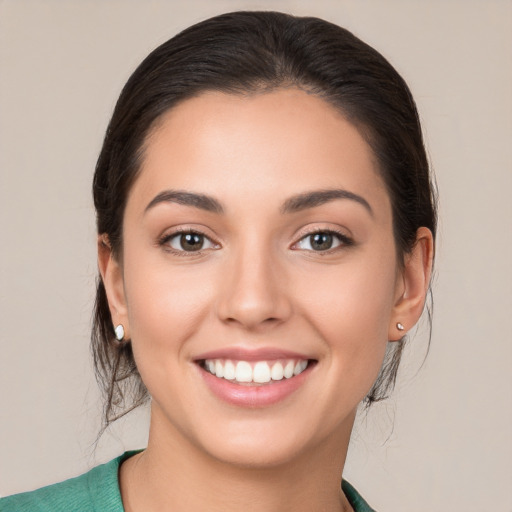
{"x":257,"y":283}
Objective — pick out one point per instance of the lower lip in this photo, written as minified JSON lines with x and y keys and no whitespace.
{"x":254,"y":395}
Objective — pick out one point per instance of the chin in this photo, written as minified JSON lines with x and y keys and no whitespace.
{"x":266,"y":443}
{"x":256,"y":454}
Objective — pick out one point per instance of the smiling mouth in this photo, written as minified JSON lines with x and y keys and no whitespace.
{"x":255,"y":372}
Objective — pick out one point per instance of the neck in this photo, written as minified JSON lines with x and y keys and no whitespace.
{"x":173,"y":474}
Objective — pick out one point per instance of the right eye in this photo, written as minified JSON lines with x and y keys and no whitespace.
{"x":189,"y":241}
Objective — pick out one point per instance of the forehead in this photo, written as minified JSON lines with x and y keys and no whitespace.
{"x":268,"y":145}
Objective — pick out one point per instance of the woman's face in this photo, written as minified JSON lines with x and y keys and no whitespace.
{"x":258,"y":245}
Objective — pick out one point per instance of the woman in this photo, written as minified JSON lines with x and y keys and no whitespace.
{"x":266,"y":234}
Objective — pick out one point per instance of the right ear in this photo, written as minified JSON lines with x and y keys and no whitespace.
{"x":113,"y":281}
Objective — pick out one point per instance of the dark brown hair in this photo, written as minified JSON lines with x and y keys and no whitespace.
{"x":248,"y":52}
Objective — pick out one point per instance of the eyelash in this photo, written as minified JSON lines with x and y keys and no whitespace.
{"x":165,"y":240}
{"x":343,"y":239}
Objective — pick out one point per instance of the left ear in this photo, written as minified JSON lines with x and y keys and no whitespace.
{"x":412,"y":285}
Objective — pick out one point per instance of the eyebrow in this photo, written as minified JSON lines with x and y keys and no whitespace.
{"x":200,"y":201}
{"x":292,"y":205}
{"x":319,"y":197}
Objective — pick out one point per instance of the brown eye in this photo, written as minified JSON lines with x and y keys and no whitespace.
{"x":323,"y":241}
{"x":190,"y":242}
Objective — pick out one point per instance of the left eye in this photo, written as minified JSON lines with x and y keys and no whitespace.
{"x":189,"y":242}
{"x":320,"y":241}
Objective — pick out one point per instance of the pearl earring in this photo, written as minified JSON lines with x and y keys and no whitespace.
{"x":399,"y":326}
{"x":119,"y":330}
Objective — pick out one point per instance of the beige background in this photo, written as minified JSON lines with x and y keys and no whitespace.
{"x":444,"y":441}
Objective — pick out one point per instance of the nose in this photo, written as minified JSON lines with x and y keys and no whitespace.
{"x":254,"y":291}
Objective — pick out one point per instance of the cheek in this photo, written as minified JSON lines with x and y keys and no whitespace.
{"x":159,"y":293}
{"x":351,"y":311}
{"x":166,"y":306}
{"x":356,"y":297}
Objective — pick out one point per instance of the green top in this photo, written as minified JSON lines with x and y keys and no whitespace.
{"x":98,"y":491}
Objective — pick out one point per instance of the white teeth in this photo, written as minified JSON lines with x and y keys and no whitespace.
{"x":277,"y":371}
{"x":219,"y":369}
{"x":243,"y":372}
{"x":288,"y":369}
{"x":260,"y":372}
{"x":300,"y":367}
{"x":229,"y":370}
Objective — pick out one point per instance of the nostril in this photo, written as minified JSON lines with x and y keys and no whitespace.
{"x":252,"y":321}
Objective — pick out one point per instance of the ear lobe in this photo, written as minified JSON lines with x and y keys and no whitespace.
{"x":112,"y":277}
{"x":414,"y":283}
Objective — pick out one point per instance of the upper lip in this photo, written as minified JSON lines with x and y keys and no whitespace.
{"x":244,"y":354}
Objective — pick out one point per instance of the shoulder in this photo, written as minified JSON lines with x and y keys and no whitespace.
{"x":355,"y":499}
{"x":72,"y":494}
{"x":93,"y":491}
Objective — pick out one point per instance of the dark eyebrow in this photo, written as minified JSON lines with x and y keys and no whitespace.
{"x":319,"y":197}
{"x":201,"y":201}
